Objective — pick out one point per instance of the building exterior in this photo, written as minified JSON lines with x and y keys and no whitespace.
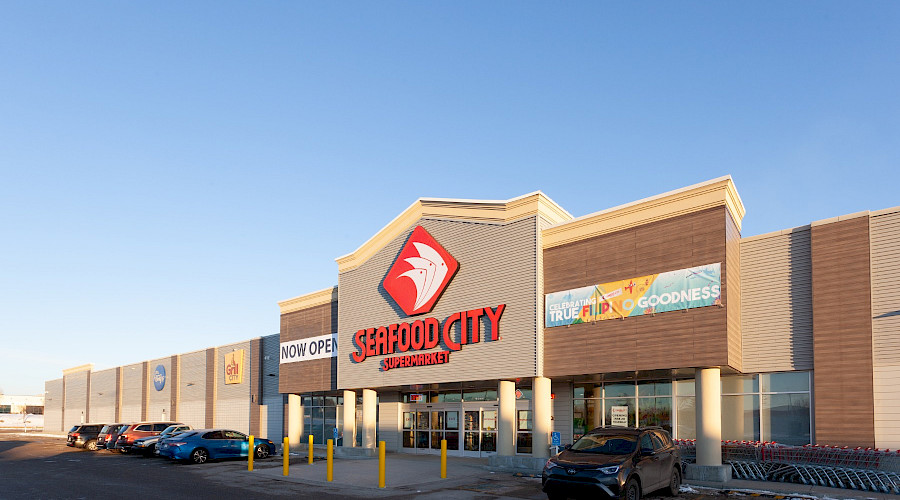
{"x":21,"y":412}
{"x":233,"y":386}
{"x":507,"y":326}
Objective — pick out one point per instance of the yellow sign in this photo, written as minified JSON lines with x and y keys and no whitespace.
{"x":234,"y":367}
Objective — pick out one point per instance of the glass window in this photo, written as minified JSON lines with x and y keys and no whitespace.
{"x":740,"y":417}
{"x":7,"y":409}
{"x":523,"y":442}
{"x":452,"y":422}
{"x":471,"y":421}
{"x":523,"y":422}
{"x":159,"y":427}
{"x":607,"y":444}
{"x":317,"y":428}
{"x":483,"y":395}
{"x":145,"y":427}
{"x":684,"y":387}
{"x":785,"y":382}
{"x":654,"y":388}
{"x":422,"y":420}
{"x":489,"y":420}
{"x":786,"y":418}
{"x":214,"y":435}
{"x":489,"y":441}
{"x":740,"y":384}
{"x":306,"y":401}
{"x":437,"y":420}
{"x":686,"y":416}
{"x":588,"y":391}
{"x":619,"y":390}
{"x":657,"y":442}
{"x":471,"y":442}
{"x":449,"y":397}
{"x":646,"y":443}
{"x":656,"y":411}
{"x":408,"y":419}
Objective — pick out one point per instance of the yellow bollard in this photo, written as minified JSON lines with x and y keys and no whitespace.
{"x":329,"y":476}
{"x":310,"y":449}
{"x":250,"y":455}
{"x":443,"y":459}
{"x":381,"y":464}
{"x":286,"y":460}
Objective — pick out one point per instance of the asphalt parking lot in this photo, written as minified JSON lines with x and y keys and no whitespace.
{"x":35,"y":467}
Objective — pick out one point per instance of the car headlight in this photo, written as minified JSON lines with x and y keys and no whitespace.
{"x":550,"y":464}
{"x":609,"y":470}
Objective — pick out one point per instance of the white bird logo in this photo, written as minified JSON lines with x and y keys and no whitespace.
{"x":428,"y":272}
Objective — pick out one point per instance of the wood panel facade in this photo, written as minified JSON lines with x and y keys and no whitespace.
{"x":842,"y":332}
{"x":312,"y":375}
{"x":691,"y":338}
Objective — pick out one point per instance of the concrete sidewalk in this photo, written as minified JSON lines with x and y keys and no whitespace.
{"x":742,"y":487}
{"x":404,"y":474}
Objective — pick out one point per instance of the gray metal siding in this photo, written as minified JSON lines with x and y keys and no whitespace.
{"x":885,"y":261}
{"x":270,"y":397}
{"x":192,"y":380}
{"x":53,"y":406}
{"x":157,"y":401}
{"x":776,"y":302}
{"x":76,"y":398}
{"x":103,"y":396}
{"x":497,"y":265}
{"x":132,"y":392}
{"x":233,"y":403}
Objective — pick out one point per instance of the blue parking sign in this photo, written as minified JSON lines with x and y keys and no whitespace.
{"x":555,"y":439}
{"x":335,"y":434}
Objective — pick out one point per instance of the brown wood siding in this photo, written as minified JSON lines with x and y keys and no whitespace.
{"x":691,"y":338}
{"x":316,"y":374}
{"x":842,"y":333}
{"x":732,"y":273}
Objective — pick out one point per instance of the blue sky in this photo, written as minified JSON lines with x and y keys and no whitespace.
{"x":171,"y":170}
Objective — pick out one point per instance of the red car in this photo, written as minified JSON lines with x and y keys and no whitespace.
{"x":139,"y":430}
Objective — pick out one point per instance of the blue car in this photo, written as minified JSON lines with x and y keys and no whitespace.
{"x":201,"y":445}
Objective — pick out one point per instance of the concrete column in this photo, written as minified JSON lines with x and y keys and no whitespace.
{"x":542,"y":406}
{"x":349,"y":430}
{"x":506,"y":419}
{"x":597,"y":420}
{"x":295,"y":422}
{"x":369,"y":415}
{"x":708,"y":391}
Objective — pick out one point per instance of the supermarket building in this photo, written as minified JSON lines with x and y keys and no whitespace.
{"x":497,"y":324}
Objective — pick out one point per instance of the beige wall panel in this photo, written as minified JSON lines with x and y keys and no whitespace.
{"x":885,"y":261}
{"x":76,"y":398}
{"x":233,"y":400}
{"x":497,"y":265}
{"x":733,"y":284}
{"x":103,"y":396}
{"x":562,"y":410}
{"x":192,"y":404}
{"x":776,"y":298}
{"x":157,"y":401}
{"x":53,"y":406}
{"x":389,"y":425}
{"x":132,"y":392}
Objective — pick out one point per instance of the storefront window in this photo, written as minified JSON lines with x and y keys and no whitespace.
{"x":619,"y":390}
{"x":767,"y":407}
{"x":624,"y":411}
{"x":740,"y":384}
{"x":686,"y":415}
{"x":482,"y":395}
{"x":656,"y":411}
{"x":740,"y":417}
{"x":785,"y":382}
{"x":320,"y":420}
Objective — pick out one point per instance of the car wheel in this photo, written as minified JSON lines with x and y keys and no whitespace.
{"x":675,"y":482}
{"x":91,"y":445}
{"x":199,"y":456}
{"x":632,"y":490}
{"x":262,"y":451}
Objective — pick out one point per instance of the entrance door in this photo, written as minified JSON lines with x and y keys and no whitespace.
{"x":479,"y":430}
{"x":425,"y":427}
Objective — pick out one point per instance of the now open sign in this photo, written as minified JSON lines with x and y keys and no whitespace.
{"x":323,"y":346}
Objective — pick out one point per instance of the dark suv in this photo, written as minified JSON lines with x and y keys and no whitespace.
{"x":139,"y":430}
{"x":84,"y":436}
{"x":615,"y":462}
{"x":108,"y":435}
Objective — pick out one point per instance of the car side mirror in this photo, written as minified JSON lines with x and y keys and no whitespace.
{"x":646,"y":451}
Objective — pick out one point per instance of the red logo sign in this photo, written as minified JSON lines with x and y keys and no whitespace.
{"x":421,"y":272}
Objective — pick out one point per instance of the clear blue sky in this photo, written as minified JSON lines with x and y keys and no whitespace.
{"x":171,"y":170}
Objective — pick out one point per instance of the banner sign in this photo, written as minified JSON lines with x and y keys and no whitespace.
{"x":671,"y":291}
{"x":159,"y":377}
{"x":322,"y":346}
{"x":234,"y":367}
{"x":618,"y":415}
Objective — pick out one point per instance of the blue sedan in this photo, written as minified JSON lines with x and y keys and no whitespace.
{"x":201,"y":445}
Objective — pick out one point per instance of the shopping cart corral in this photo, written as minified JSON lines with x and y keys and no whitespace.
{"x":864,"y":469}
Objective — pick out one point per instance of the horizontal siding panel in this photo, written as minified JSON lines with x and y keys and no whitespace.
{"x":76,"y":398}
{"x":776,"y":301}
{"x":53,"y":406}
{"x":103,"y":396}
{"x":132,"y":392}
{"x":885,"y":262}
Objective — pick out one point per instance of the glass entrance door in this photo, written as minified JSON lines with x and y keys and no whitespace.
{"x":424,"y":428}
{"x":479,"y":431}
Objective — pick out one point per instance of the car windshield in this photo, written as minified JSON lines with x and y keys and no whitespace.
{"x":75,"y":428}
{"x":105,"y":429}
{"x":606,"y":444}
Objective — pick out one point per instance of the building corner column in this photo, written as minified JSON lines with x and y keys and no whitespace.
{"x":708,"y":391}
{"x":369,"y":415}
{"x":295,"y":421}
{"x":349,"y":423}
{"x":506,"y":418}
{"x":543,"y":407}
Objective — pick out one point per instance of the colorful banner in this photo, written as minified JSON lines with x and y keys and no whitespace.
{"x":671,"y":291}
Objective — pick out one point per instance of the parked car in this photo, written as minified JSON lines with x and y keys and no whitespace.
{"x":615,"y":462}
{"x":139,"y":430}
{"x":147,"y":445}
{"x":202,"y":445}
{"x":108,"y":435}
{"x":84,"y":436}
